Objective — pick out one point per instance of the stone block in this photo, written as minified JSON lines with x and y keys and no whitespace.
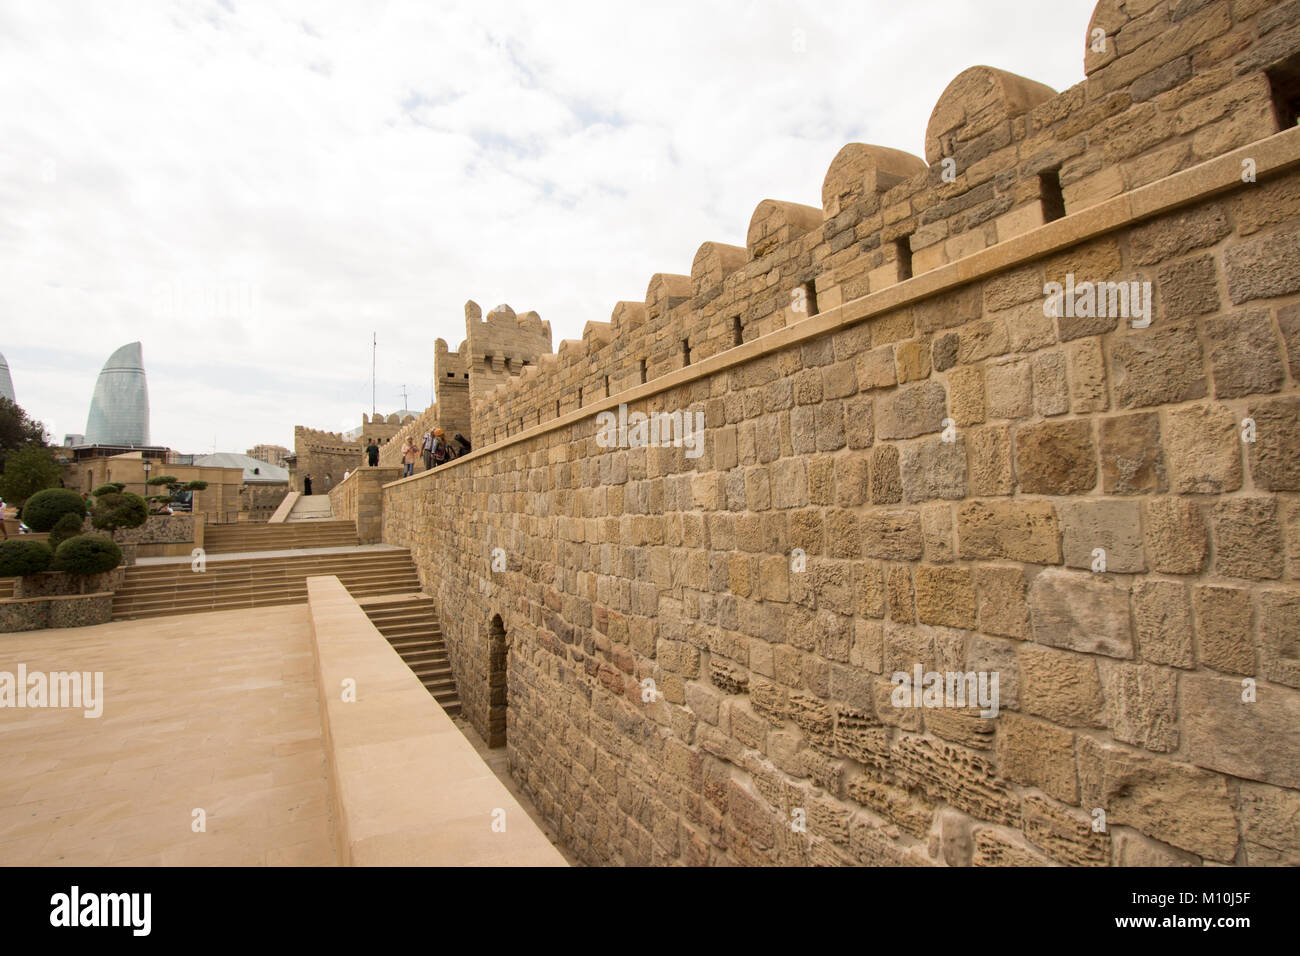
{"x":966,"y":394}
{"x":1009,"y":388}
{"x":1038,"y":754}
{"x":891,"y":534}
{"x":936,"y":529}
{"x":1223,"y":622}
{"x":1087,"y":368}
{"x":913,"y":361}
{"x":1175,"y":535}
{"x":1162,"y":619}
{"x":1051,"y":389}
{"x":911,"y":410}
{"x":1254,"y":740}
{"x":1056,"y":458}
{"x":1061,"y":687}
{"x":1260,"y":268}
{"x":1279,"y":636}
{"x":1156,"y":366}
{"x":1018,"y":530}
{"x":933,"y":468}
{"x":988,"y":458}
{"x":1132,"y":459}
{"x":1081,"y":611}
{"x":1113,"y":526}
{"x":945,"y":596}
{"x":1188,"y":289}
{"x":1003,"y":609}
{"x":886,"y":482}
{"x":1203,"y":450}
{"x":1141,"y":704}
{"x":1275,"y":453}
{"x":1245,"y":355}
{"x":1248,"y":538}
{"x":1269,"y":827}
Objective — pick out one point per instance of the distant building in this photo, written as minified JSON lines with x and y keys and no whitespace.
{"x":6,"y":383}
{"x":72,"y":441}
{"x":271,"y":454}
{"x":119,"y":408}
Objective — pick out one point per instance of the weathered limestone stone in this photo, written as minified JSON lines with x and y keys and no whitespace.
{"x":1156,"y":366}
{"x":859,"y":422}
{"x":1014,"y":530}
{"x":1173,"y":529}
{"x":1133,"y":849}
{"x":910,"y":811}
{"x":1275,"y":453}
{"x":988,"y":453}
{"x":1061,"y":687}
{"x":869,"y":587}
{"x":1171,"y":802}
{"x":1087,"y":376}
{"x":966,"y":394}
{"x":1141,"y":704}
{"x":891,"y":534}
{"x":944,"y":351}
{"x":1051,"y":390}
{"x":955,"y":838}
{"x":913,"y":360}
{"x":1259,"y":268}
{"x":1112,"y":526}
{"x":945,"y":595}
{"x":1270,"y":824}
{"x":868,"y":646}
{"x":1003,"y":848}
{"x":886,"y":483}
{"x":1223,"y":621}
{"x":1063,"y":834}
{"x":1224,"y":733}
{"x":936,"y":529}
{"x":1038,"y":754}
{"x":1132,"y":459}
{"x":1081,"y":611}
{"x":1204,"y":450}
{"x":1173,"y":234}
{"x":1002,"y":606}
{"x":1189,"y":288}
{"x":1288,"y":320}
{"x":933,"y":468}
{"x":901,"y":603}
{"x":1056,"y":458}
{"x":1245,"y":358}
{"x":875,"y":369}
{"x":1010,"y":389}
{"x":1279,"y":636}
{"x":911,"y":410}
{"x":1248,"y":538}
{"x":1162,"y":620}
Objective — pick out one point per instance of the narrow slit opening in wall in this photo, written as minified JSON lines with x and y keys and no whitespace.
{"x":686,"y":352}
{"x":1284,"y":85}
{"x":557,"y":408}
{"x":451,"y":374}
{"x":903,"y":246}
{"x":810,"y":297}
{"x":1050,"y":194}
{"x":607,"y":386}
{"x":581,"y":390}
{"x":643,"y":372}
{"x":737,"y":332}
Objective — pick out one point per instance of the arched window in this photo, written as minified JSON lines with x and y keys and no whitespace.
{"x":498,"y":682}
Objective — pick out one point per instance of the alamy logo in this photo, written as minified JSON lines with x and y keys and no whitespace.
{"x":102,"y":909}
{"x":84,"y":689}
{"x":950,"y":689}
{"x":1087,"y":300}
{"x":660,"y":429}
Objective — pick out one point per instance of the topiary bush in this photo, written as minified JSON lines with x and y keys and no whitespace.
{"x":119,"y":509}
{"x":19,"y":557}
{"x":69,"y":526}
{"x":44,"y":509}
{"x":87,"y":554}
{"x":112,"y":488}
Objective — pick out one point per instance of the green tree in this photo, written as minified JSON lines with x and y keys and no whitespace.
{"x":17,"y":429}
{"x":28,"y":470}
{"x":46,"y":507}
{"x":87,"y":554}
{"x":117,"y":510}
{"x":174,"y":488}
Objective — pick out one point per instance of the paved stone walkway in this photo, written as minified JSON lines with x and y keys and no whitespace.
{"x":215,"y":711}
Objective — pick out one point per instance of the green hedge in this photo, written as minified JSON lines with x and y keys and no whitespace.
{"x":87,"y":554}
{"x":19,"y":557}
{"x":69,"y":526}
{"x":45,"y":508}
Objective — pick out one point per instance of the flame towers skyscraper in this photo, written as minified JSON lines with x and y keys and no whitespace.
{"x":119,"y":409}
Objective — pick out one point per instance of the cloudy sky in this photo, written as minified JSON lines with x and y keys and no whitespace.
{"x":251,"y":189}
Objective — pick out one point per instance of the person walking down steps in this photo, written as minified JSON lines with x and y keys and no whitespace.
{"x":408,"y":458}
{"x":426,"y":447}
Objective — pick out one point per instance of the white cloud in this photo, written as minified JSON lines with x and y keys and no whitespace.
{"x":251,"y":189}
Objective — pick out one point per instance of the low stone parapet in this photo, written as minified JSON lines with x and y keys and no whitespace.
{"x":72,"y":610}
{"x":406,"y":787}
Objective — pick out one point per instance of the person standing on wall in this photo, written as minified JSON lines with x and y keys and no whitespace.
{"x":306,"y":485}
{"x":426,"y":445}
{"x":442,"y":452}
{"x":408,"y":458}
{"x":372,"y":453}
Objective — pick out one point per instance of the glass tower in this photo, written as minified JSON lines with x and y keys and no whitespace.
{"x":119,"y":409}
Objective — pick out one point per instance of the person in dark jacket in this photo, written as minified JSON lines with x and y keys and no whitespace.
{"x":306,"y":485}
{"x":372,"y":453}
{"x":464,"y":445}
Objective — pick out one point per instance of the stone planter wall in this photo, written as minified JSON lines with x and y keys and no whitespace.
{"x":34,"y":614}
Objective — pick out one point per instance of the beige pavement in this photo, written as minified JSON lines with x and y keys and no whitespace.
{"x":210,"y":711}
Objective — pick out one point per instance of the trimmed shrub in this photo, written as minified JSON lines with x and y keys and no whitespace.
{"x":19,"y":557}
{"x":87,"y":554}
{"x":69,"y":526}
{"x":117,"y":510}
{"x":45,"y":508}
{"x":112,"y":488}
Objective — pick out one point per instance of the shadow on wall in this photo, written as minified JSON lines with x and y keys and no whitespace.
{"x":498,"y":682}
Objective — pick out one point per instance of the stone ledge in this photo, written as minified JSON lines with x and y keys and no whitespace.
{"x":282,"y":512}
{"x":1272,"y":156}
{"x":406,"y":787}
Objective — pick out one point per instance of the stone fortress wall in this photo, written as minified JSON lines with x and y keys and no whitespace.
{"x":907,"y":461}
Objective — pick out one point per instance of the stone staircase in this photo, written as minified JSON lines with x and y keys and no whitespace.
{"x":154,"y":590}
{"x":311,"y":508}
{"x":229,"y":538}
{"x":410,"y":623}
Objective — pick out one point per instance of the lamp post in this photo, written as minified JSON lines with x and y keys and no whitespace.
{"x":146,"y":464}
